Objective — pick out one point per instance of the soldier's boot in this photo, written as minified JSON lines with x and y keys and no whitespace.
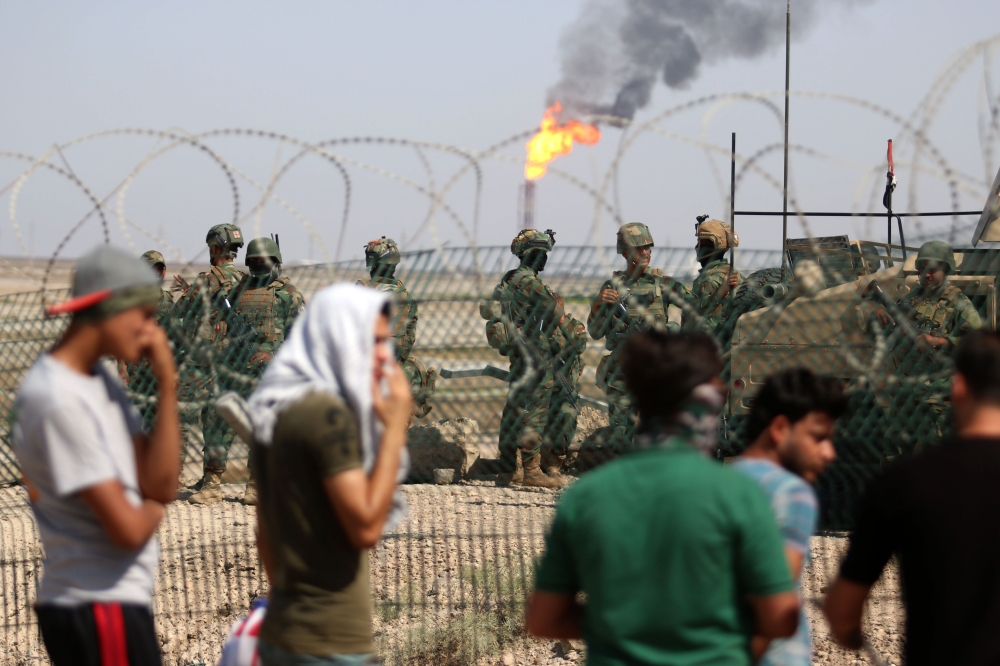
{"x":553,"y":466}
{"x":250,"y":493}
{"x":516,"y":477}
{"x":533,"y":474}
{"x":211,"y":490}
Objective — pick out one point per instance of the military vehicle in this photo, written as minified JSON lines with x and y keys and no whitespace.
{"x":817,"y":313}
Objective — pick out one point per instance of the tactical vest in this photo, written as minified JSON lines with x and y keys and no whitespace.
{"x":491,"y":309}
{"x":931,"y":313}
{"x":209,"y":285}
{"x":257,"y":305}
{"x":720,"y":268}
{"x":643,"y":300}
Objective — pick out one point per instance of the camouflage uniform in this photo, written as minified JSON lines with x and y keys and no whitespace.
{"x":942,"y":311}
{"x":567,"y":347}
{"x":707,"y":302}
{"x":382,"y":257}
{"x":196,"y":314}
{"x":270,"y":309}
{"x":522,"y":301}
{"x":646,"y":298}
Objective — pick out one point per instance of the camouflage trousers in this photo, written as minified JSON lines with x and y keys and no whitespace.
{"x":919,"y":415}
{"x":535,"y":418}
{"x":200,"y":414}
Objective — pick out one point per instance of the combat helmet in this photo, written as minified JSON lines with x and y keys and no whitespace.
{"x":153,"y":258}
{"x":532,"y":239}
{"x":381,"y":252}
{"x":224,"y":236}
{"x":633,"y":235}
{"x":938,"y":251}
{"x":718,"y":233}
{"x":263,"y":247}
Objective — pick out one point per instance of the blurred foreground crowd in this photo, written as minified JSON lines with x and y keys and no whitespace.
{"x":662,"y":556}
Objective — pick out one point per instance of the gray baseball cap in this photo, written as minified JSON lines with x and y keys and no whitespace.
{"x":108,"y":281}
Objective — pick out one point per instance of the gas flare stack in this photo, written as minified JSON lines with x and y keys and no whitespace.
{"x":553,"y":138}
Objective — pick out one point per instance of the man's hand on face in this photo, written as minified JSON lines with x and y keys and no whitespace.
{"x":393,"y":409}
{"x":156,"y":348}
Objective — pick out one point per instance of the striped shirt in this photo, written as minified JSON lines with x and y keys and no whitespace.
{"x":793,"y":502}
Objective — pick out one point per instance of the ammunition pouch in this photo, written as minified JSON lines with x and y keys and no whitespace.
{"x":602,"y":372}
{"x":498,"y":336}
{"x":422,"y":385}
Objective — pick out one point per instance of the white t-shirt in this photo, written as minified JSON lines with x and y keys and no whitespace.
{"x":73,"y":431}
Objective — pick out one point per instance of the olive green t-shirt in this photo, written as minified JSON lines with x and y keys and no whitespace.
{"x":320,"y":601}
{"x":667,"y":545}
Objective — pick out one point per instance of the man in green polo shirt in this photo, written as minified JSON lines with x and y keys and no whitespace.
{"x":679,"y":557}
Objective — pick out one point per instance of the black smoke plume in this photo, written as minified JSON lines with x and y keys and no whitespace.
{"x":617,"y":50}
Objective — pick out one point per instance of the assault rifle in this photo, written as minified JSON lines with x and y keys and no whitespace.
{"x":901,"y":320}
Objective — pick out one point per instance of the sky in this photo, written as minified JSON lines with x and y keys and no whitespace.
{"x":454,"y":75}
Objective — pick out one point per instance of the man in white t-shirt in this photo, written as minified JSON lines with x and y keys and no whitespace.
{"x":97,"y":483}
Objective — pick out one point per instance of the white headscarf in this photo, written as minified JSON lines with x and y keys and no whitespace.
{"x":329,"y":350}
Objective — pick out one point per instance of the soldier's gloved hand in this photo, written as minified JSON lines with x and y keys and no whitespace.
{"x":221,"y":328}
{"x":883,"y":317}
{"x":261,"y":358}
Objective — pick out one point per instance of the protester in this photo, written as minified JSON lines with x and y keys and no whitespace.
{"x":933,"y":513}
{"x":679,"y":557}
{"x":329,"y":421}
{"x":97,"y":483}
{"x":791,"y":429}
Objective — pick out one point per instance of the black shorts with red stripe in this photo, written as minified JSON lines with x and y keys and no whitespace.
{"x":100,"y":634}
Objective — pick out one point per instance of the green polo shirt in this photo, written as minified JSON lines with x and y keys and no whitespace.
{"x":667,"y":545}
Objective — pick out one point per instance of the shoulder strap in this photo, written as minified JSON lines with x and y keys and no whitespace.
{"x":951,"y":292}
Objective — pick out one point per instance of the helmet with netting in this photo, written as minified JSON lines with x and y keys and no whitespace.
{"x":634,"y":235}
{"x":938,"y":251}
{"x":153,"y":258}
{"x":263,"y":248}
{"x":381,"y":252}
{"x":225,"y":236}
{"x":532,"y":239}
{"x":718,"y":233}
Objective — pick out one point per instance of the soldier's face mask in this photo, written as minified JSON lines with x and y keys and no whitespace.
{"x":706,"y":250}
{"x":263,"y":269}
{"x":536,"y":259}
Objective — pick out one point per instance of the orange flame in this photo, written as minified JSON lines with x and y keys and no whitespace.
{"x":553,"y":140}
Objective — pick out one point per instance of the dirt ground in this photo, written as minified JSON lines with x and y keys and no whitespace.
{"x":448,"y":581}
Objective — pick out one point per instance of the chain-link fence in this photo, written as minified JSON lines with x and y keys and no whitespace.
{"x":450,"y":581}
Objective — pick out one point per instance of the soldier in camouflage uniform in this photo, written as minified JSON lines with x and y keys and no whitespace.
{"x":523,"y":316}
{"x":569,"y":342}
{"x":381,"y":258}
{"x":939,"y":315}
{"x":139,"y":378}
{"x":268,"y":303}
{"x":164,"y":309}
{"x":633,"y":299}
{"x":203,"y":344}
{"x":710,"y":291}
